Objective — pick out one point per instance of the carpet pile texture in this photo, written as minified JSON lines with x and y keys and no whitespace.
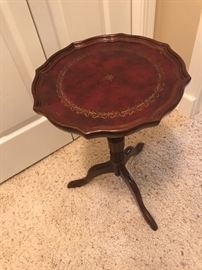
{"x":44,"y":225}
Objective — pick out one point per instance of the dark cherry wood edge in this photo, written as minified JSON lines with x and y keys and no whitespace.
{"x":104,"y":133}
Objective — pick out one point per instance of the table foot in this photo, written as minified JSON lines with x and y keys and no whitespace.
{"x":94,"y":171}
{"x":132,"y":151}
{"x":136,"y":192}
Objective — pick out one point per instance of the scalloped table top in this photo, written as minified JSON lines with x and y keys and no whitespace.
{"x":109,"y":85}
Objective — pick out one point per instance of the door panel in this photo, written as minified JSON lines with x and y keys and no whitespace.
{"x":10,"y":82}
{"x":83,"y":18}
{"x":23,"y":139}
{"x":73,"y":20}
{"x":15,"y":102}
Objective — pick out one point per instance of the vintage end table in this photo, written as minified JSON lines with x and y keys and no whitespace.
{"x":110,"y":86}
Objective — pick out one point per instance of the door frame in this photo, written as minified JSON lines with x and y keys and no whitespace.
{"x":191,"y":102}
{"x":143,"y":17}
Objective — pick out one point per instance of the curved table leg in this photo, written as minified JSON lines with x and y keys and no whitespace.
{"x":135,"y":191}
{"x":132,"y":151}
{"x":94,"y":171}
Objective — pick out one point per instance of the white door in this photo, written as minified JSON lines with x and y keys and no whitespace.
{"x":24,"y":137}
{"x":31,"y":31}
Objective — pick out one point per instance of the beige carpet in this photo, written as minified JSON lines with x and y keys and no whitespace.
{"x":45,"y":226}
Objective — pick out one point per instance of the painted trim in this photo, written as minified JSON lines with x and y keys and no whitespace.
{"x":187,"y":104}
{"x":190,"y":103}
{"x":20,"y":149}
{"x":106,"y":14}
{"x":143,"y":17}
{"x":149,"y":17}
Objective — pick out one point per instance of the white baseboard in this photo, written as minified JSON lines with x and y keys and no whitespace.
{"x":20,"y":149}
{"x":187,"y":105}
{"x":75,"y":136}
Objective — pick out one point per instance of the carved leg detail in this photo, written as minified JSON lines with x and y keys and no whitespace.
{"x":132,"y":151}
{"x":94,"y":171}
{"x":135,"y":191}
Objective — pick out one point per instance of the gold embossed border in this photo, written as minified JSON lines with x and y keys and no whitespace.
{"x":106,"y":115}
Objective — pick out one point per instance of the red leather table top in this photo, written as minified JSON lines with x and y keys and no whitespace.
{"x":109,"y":85}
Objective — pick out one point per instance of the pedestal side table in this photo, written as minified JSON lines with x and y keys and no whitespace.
{"x":110,"y":86}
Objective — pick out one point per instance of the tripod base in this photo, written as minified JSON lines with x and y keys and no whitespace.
{"x":118,"y":158}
